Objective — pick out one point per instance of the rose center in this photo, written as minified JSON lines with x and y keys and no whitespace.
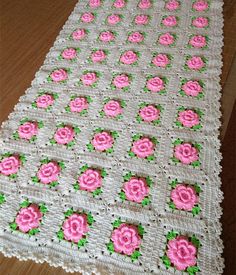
{"x":182,"y":252}
{"x":7,"y":165}
{"x":143,"y":147}
{"x":150,"y":112}
{"x":101,"y":139}
{"x":91,"y":180}
{"x":48,"y":171}
{"x":78,"y":103}
{"x":43,"y":100}
{"x":63,"y":133}
{"x":188,"y":117}
{"x":186,"y":152}
{"x":112,"y":107}
{"x":185,"y":196}
{"x":26,"y":217}
{"x":135,"y":189}
{"x":126,"y":239}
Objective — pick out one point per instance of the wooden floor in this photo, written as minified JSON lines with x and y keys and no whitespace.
{"x":28,"y":30}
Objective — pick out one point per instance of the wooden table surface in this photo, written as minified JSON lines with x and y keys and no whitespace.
{"x":28,"y":30}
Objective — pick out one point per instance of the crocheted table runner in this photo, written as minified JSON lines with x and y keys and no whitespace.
{"x":110,"y":161}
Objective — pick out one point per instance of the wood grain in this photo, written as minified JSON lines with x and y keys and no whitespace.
{"x":28,"y":30}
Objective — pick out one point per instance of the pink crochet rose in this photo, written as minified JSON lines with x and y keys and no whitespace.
{"x":106,"y":36}
{"x":87,"y":17}
{"x":49,"y":172}
{"x":161,"y":60}
{"x":188,"y":118}
{"x":98,"y":56}
{"x":119,"y":4}
{"x":44,"y":101}
{"x":121,"y":81}
{"x":75,"y":227}
{"x":149,"y":113}
{"x":186,"y":153}
{"x":69,"y":53}
{"x":79,"y":34}
{"x":166,"y":39}
{"x":113,"y":19}
{"x":28,"y":218}
{"x":102,"y":141}
{"x":200,"y":5}
{"x":59,"y":75}
{"x":143,"y":147}
{"x":129,"y":57}
{"x":155,"y":84}
{"x":94,"y":3}
{"x":198,"y":41}
{"x":90,"y":180}
{"x":136,"y":189}
{"x":172,"y":5}
{"x":181,"y":253}
{"x":89,"y":78}
{"x":9,"y":165}
{"x":200,"y":22}
{"x":169,"y":21}
{"x":144,"y":4}
{"x":64,"y":135}
{"x":28,"y":130}
{"x":195,"y":63}
{"x":135,"y":37}
{"x":184,"y":197}
{"x":78,"y":104}
{"x":126,"y":239}
{"x":141,"y":19}
{"x":112,"y":108}
{"x":192,"y":88}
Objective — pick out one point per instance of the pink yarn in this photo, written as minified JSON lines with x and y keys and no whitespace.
{"x":136,"y":189}
{"x":89,"y":79}
{"x":188,"y":118}
{"x":28,"y":218}
{"x":198,"y":41}
{"x":121,"y":81}
{"x":149,"y":113}
{"x":90,"y":180}
{"x":129,"y":57}
{"x":87,"y":17}
{"x":9,"y":165}
{"x":195,"y":63}
{"x":143,"y":147}
{"x":112,"y":108}
{"x":75,"y":227}
{"x":44,"y":101}
{"x":192,"y":88}
{"x":78,"y":104}
{"x":59,"y":75}
{"x":69,"y":53}
{"x":161,"y":60}
{"x":126,"y":239}
{"x":28,"y":130}
{"x":181,"y":253}
{"x":186,"y":153}
{"x":155,"y":84}
{"x":49,"y":172}
{"x":166,"y":39}
{"x":102,"y":141}
{"x":184,"y":197}
{"x":64,"y":135}
{"x":98,"y":56}
{"x":135,"y":37}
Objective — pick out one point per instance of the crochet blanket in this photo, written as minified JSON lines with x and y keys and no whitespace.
{"x":110,"y":161}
